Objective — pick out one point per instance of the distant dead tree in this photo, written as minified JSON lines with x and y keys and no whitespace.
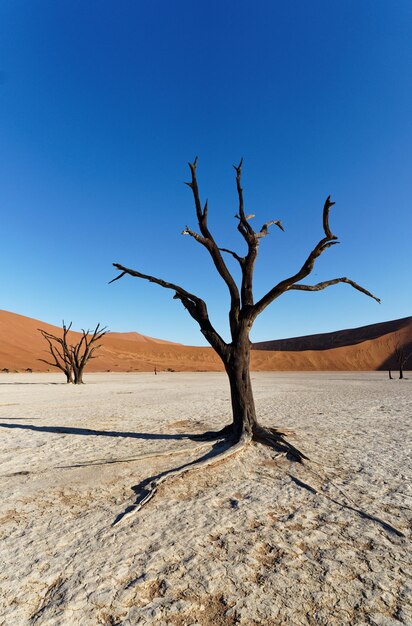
{"x":402,"y":357}
{"x":72,"y":359}
{"x":235,"y":354}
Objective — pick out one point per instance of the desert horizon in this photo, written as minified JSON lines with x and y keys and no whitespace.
{"x":358,"y":349}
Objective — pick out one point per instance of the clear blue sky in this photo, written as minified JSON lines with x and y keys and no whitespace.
{"x":103,"y":103}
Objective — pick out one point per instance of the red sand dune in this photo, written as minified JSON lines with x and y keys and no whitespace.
{"x":367,"y":348}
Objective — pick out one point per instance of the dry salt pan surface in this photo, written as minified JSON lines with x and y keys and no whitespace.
{"x":256,"y":539}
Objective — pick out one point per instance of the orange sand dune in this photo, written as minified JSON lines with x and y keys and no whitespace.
{"x":336,"y":339}
{"x":366,"y":348}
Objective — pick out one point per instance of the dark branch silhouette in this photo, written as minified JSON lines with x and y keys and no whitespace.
{"x":243,"y":311}
{"x":84,"y":350}
{"x":60,"y":351}
{"x":72,"y":359}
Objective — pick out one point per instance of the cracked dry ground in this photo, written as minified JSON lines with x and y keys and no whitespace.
{"x":253,"y":540}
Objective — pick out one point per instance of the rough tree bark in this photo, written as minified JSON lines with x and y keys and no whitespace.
{"x":235,"y":354}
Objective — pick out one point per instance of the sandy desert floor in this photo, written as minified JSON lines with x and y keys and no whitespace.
{"x":254,"y":540}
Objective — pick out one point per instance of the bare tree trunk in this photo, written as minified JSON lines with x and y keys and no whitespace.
{"x":390,"y":374}
{"x":400,"y":371}
{"x":243,"y":405}
{"x":78,"y":377}
{"x":69,"y":377}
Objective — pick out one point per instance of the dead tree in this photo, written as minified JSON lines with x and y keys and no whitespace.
{"x":402,"y":357}
{"x":235,"y":354}
{"x":82,"y":352}
{"x":60,"y":351}
{"x":72,"y":359}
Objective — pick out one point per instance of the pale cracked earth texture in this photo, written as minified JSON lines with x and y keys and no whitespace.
{"x":254,"y":540}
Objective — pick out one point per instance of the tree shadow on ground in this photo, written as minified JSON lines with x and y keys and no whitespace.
{"x":19,"y":383}
{"x":388,"y":527}
{"x":143,"y":488}
{"x":68,"y":430}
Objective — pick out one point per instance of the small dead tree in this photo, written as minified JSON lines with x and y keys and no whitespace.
{"x":72,"y":359}
{"x":60,"y":351}
{"x":402,"y":357}
{"x":83,"y":351}
{"x":235,"y":354}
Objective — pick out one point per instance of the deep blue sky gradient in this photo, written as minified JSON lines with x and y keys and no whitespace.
{"x":103,"y":103}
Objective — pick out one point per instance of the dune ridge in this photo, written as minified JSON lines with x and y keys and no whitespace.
{"x":366,"y":348}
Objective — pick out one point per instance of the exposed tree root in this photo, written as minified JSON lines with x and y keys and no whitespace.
{"x":224,"y":450}
{"x":276,"y":439}
{"x":263,"y":435}
{"x":221,"y":451}
{"x":148,"y":487}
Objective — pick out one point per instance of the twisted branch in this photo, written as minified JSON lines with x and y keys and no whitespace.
{"x":195,"y":306}
{"x":62,"y":357}
{"x":252,"y":239}
{"x":206,"y":239}
{"x":265,"y":228}
{"x":243,"y":226}
{"x":239,"y":259}
{"x":326,"y":242}
{"x":335,"y":281}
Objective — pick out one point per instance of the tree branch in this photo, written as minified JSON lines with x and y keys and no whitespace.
{"x":207,"y":240}
{"x":158,"y":281}
{"x":52,"y":364}
{"x":243,"y":227}
{"x":196,"y":236}
{"x":265,"y":228}
{"x":328,"y":240}
{"x":252,"y":239}
{"x":195,"y":306}
{"x":50,"y":338}
{"x":62,"y":358}
{"x":335,"y":281}
{"x":326,"y":209}
{"x":238,"y":258}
